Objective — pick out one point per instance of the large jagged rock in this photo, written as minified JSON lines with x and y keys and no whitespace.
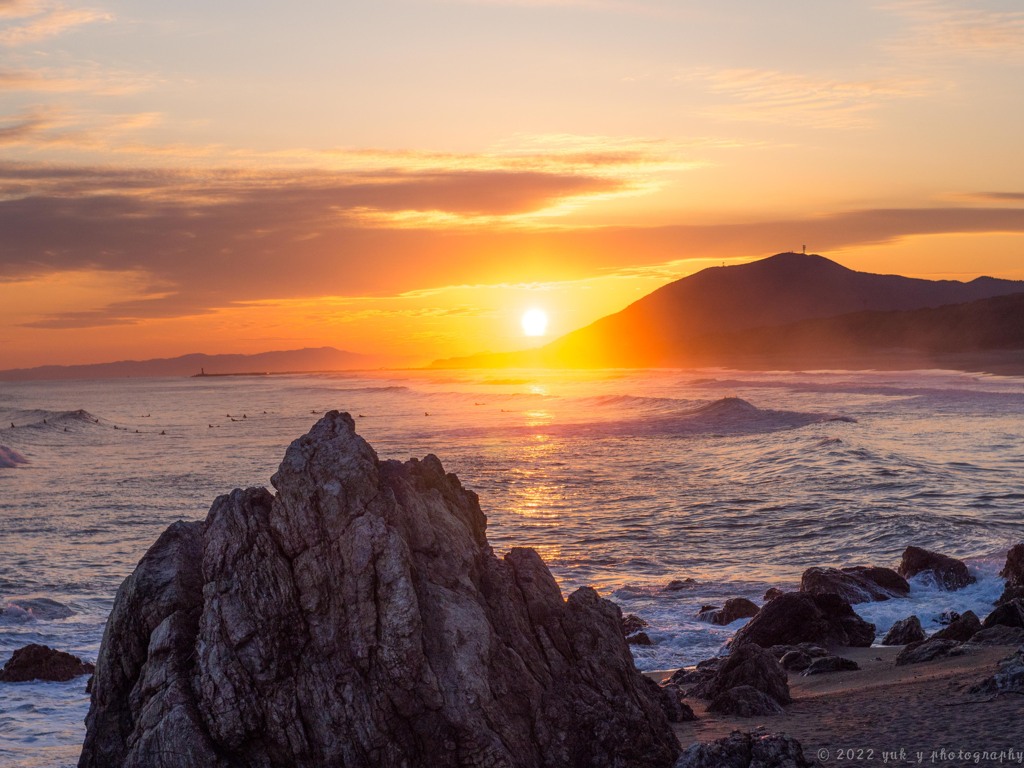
{"x":747,"y":750}
{"x":928,"y":650}
{"x":948,"y":572}
{"x":860,"y":584}
{"x":40,"y":662}
{"x":799,"y":617}
{"x":359,"y":618}
{"x":1008,"y":679}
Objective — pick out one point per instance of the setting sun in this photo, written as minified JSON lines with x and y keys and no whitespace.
{"x":535,"y":322}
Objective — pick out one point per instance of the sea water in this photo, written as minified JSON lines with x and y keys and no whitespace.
{"x":665,"y":490}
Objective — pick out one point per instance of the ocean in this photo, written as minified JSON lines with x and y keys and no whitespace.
{"x":665,"y":490}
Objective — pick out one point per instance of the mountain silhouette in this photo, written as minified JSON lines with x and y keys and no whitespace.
{"x":721,"y":313}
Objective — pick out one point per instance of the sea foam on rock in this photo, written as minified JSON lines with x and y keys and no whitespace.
{"x":359,"y":618}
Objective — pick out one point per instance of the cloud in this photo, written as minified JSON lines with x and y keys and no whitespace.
{"x":50,"y":23}
{"x":820,"y":102}
{"x":940,"y":28}
{"x":24,"y":127}
{"x":214,"y":240}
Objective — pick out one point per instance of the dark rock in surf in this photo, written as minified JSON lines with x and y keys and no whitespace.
{"x":859,"y":584}
{"x":905,"y":631}
{"x":961,"y":629}
{"x":631,"y":624}
{"x":1009,"y":614}
{"x":928,"y":650}
{"x":748,"y":665}
{"x":948,"y":572}
{"x":828,"y":664}
{"x":640,"y":638}
{"x":359,"y":618}
{"x":745,"y":701}
{"x":747,"y":750}
{"x":999,"y":634}
{"x":735,"y":608}
{"x":1013,"y":570}
{"x":798,"y":617}
{"x":948,"y":617}
{"x":40,"y":662}
{"x":772,"y":593}
{"x":677,"y":585}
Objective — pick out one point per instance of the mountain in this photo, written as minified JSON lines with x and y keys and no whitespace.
{"x":723,"y":313}
{"x":290,"y":361}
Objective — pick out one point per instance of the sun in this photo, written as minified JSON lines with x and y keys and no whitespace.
{"x":535,"y":322}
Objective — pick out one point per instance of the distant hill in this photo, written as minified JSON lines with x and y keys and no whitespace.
{"x":770,"y":310}
{"x":291,"y":361}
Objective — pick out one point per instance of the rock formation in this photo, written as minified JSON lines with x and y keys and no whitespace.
{"x":735,"y":608}
{"x":998,"y":635}
{"x":747,"y":750}
{"x":1008,"y":679}
{"x":1013,"y":571}
{"x":961,"y":629}
{"x":1009,"y":614}
{"x":928,"y":650}
{"x":859,"y":584}
{"x":904,"y":631}
{"x":948,"y":572}
{"x":745,"y":701}
{"x":748,"y":665}
{"x":40,"y":662}
{"x":359,"y":618}
{"x":798,"y":617}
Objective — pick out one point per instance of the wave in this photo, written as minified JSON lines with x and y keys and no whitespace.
{"x":10,"y":458}
{"x":23,"y":609}
{"x":39,"y":419}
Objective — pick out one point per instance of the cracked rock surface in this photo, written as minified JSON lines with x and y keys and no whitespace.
{"x":359,"y":618}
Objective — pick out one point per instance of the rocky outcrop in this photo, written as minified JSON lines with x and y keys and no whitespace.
{"x":960,"y":629}
{"x":798,"y":617}
{"x":904,"y":631}
{"x":948,"y":572}
{"x":40,"y":662}
{"x":748,"y":665}
{"x":859,"y":584}
{"x":771,"y":593}
{"x":735,"y":608}
{"x":1009,"y":614}
{"x":998,"y":635}
{"x":928,"y":650}
{"x":359,"y":618}
{"x":747,"y":750}
{"x":640,"y":638}
{"x":828,"y":664}
{"x":1013,"y":571}
{"x":745,"y":701}
{"x":1008,"y":679}
{"x":676,"y":710}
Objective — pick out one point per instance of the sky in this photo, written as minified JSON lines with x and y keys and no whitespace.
{"x":408,"y":177}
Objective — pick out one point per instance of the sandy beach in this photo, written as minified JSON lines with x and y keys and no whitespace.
{"x":884,"y":714}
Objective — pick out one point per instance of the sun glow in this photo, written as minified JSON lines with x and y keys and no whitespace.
{"x":535,"y":322}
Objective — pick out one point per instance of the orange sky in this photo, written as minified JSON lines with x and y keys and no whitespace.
{"x":407,"y":178}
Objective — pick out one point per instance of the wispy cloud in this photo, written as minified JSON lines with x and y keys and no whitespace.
{"x":35,"y":23}
{"x":809,"y":100}
{"x":942,"y":27}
